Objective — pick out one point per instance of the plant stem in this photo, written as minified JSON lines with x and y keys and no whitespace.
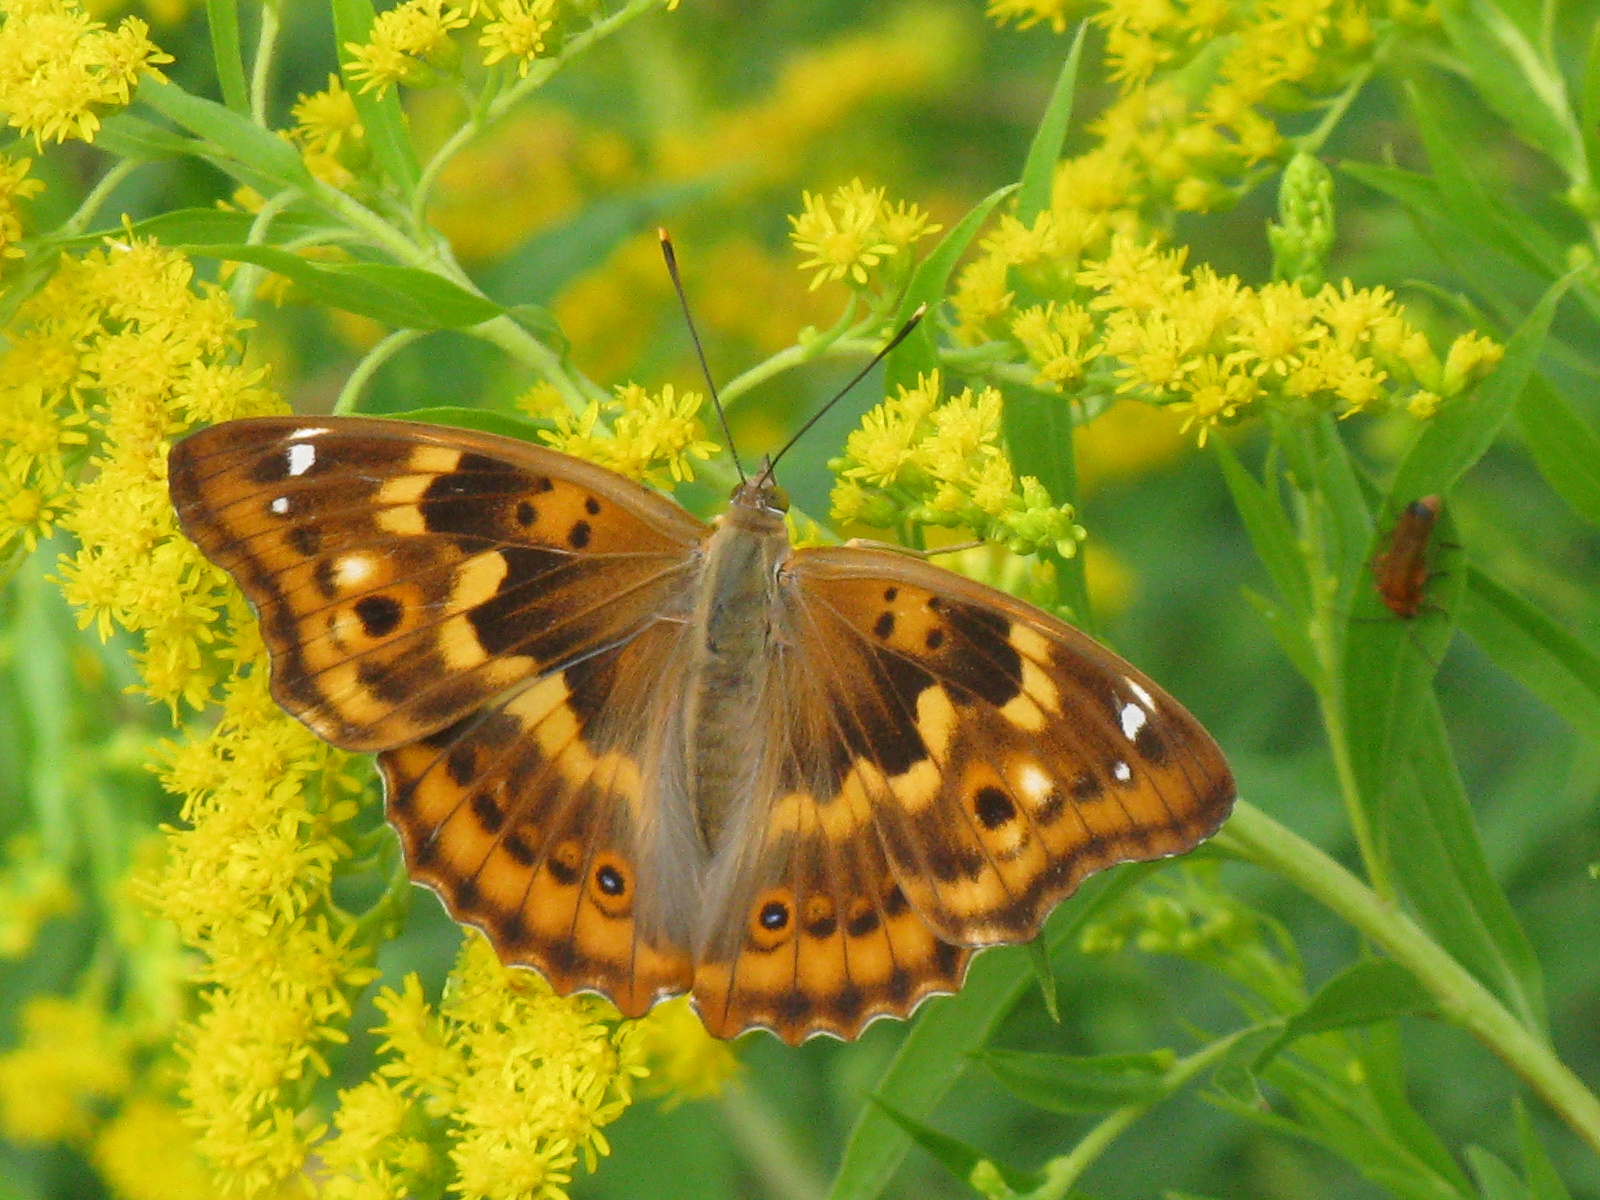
{"x":98,"y":195}
{"x":1252,"y":835}
{"x":1061,"y":1174}
{"x":766,"y":1146}
{"x":514,"y":95}
{"x":261,"y":69}
{"x":350,"y":394}
{"x":790,"y":358}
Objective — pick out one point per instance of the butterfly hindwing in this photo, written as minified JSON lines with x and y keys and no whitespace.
{"x":1006,"y":756}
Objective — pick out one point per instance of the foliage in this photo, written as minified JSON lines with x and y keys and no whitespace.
{"x":1215,"y":290}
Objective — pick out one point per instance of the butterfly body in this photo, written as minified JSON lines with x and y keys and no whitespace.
{"x":650,"y":757}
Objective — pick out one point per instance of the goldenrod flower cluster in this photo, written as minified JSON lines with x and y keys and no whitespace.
{"x":60,"y":71}
{"x":1135,"y":322}
{"x":33,"y":888}
{"x":412,"y":43}
{"x":1202,"y":82}
{"x":926,"y":459}
{"x":14,"y":185}
{"x":649,"y":437}
{"x":855,"y":236}
{"x":515,"y":1080}
{"x":330,"y":135}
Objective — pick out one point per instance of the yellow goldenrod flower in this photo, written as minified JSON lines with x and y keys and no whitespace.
{"x":14,"y":185}
{"x":404,"y":43}
{"x":68,"y":1060}
{"x":685,"y":1062}
{"x":1423,"y":405}
{"x":526,"y":1079}
{"x":1471,"y":357}
{"x":843,"y":234}
{"x":652,"y":438}
{"x":33,"y":889}
{"x":519,"y":32}
{"x":60,"y":70}
{"x":146,"y":1152}
{"x":325,"y":121}
{"x":1027,"y":13}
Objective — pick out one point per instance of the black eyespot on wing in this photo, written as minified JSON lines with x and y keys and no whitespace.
{"x":610,"y":881}
{"x":1150,"y":745}
{"x":379,"y":615}
{"x":578,"y":538}
{"x":993,"y":807}
{"x":517,"y":847}
{"x":863,"y":923}
{"x":527,"y":514}
{"x":774,"y":915}
{"x":935,"y":638}
{"x":489,"y":814}
{"x":591,"y":506}
{"x":462,"y":764}
{"x":889,"y":594}
{"x":306,"y":539}
{"x":885,"y":625}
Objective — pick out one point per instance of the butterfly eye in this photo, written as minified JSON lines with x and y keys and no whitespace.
{"x":778,"y":498}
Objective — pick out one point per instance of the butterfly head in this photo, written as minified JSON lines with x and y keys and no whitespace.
{"x":761,"y":492}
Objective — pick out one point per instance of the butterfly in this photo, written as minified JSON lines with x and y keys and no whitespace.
{"x":1400,"y":566}
{"x":648,"y":756}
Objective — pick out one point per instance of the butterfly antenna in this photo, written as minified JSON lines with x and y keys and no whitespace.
{"x":904,"y":332}
{"x":668,"y":253}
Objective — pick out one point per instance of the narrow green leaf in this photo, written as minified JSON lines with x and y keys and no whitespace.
{"x":1531,"y":648}
{"x":1040,"y":432}
{"x":128,"y":136}
{"x":1066,"y":1083}
{"x":1289,"y":632}
{"x":919,"y":353}
{"x":1495,"y":1180}
{"x":1455,"y":439}
{"x":958,"y":1157}
{"x":196,"y":225}
{"x":1342,"y":495}
{"x":1039,"y":172}
{"x":404,"y":297}
{"x":1564,"y":448}
{"x":1513,"y":78}
{"x":222,"y":16}
{"x":1376,"y":989}
{"x":1444,"y":872}
{"x":1589,"y":102}
{"x":383,"y":119}
{"x":485,"y":420}
{"x":237,"y":136}
{"x":1485,"y":216}
{"x":1039,"y":963}
{"x":947,"y":1031}
{"x":1383,"y":1058}
{"x":1543,"y":1182}
{"x":1273,"y":537}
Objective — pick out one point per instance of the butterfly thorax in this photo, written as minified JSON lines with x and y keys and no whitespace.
{"x":732,"y":637}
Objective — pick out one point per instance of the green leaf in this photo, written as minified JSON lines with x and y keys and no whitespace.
{"x":1495,"y":1180}
{"x":1067,"y":1083}
{"x":1389,"y":661}
{"x":1547,"y":660}
{"x":1564,"y":448}
{"x":1471,"y":205}
{"x":1466,"y":426}
{"x":1039,"y":172}
{"x":509,"y":425}
{"x":196,"y":225}
{"x":958,"y":1157}
{"x":919,"y":353}
{"x":240,"y":138}
{"x":405,"y":297}
{"x":935,"y":1053}
{"x":222,"y":16}
{"x":1039,"y":964}
{"x":1515,"y":80}
{"x":382,"y":119}
{"x":1364,"y":993}
{"x":1261,"y":510}
{"x":133,"y":137}
{"x":1440,"y":864}
{"x":1543,"y":1182}
{"x":1289,"y":632}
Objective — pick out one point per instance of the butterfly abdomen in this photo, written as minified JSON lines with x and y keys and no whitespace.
{"x":732,"y":637}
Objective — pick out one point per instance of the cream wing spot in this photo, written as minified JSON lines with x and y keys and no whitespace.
{"x":352,"y":571}
{"x":1133,"y":719}
{"x":1022,"y":712}
{"x":436,"y":460}
{"x":1029,"y":643}
{"x":478,"y":579}
{"x":1039,"y":686}
{"x":936,"y":720}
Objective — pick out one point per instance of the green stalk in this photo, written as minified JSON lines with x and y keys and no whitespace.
{"x":1255,"y":837}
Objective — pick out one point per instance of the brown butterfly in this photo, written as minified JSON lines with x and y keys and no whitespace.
{"x":1400,"y":566}
{"x":648,"y":756}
